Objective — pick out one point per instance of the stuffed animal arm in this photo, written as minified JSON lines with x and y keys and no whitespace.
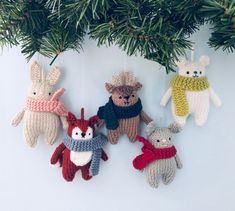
{"x":166,"y":98}
{"x":214,"y":98}
{"x":18,"y":118}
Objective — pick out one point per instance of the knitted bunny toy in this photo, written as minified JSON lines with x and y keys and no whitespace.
{"x":159,"y":156}
{"x":191,"y":92}
{"x":123,"y":112}
{"x":43,"y":110}
{"x":81,"y":149}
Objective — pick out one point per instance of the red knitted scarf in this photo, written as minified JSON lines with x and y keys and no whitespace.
{"x":54,"y":105}
{"x":150,"y":154}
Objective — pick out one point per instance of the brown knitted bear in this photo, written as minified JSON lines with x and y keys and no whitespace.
{"x":123,"y":112}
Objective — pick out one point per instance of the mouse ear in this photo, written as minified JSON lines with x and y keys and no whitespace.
{"x":151,"y":127}
{"x":71,"y":118}
{"x":174,"y":127}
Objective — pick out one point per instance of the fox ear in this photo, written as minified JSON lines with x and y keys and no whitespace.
{"x":71,"y":118}
{"x":93,"y":120}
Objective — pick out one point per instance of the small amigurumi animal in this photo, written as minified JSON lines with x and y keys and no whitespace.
{"x":191,"y":92}
{"x":43,"y":111}
{"x":123,"y":112}
{"x":159,"y":157}
{"x":80,"y":149}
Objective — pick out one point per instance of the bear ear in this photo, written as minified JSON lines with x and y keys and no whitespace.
{"x":204,"y":60}
{"x":137,"y":86}
{"x":151,"y":127}
{"x":109,"y":87}
{"x":181,"y":63}
{"x":174,"y":127}
{"x":71,"y":118}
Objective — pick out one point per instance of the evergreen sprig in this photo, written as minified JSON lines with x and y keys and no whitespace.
{"x":158,"y":30}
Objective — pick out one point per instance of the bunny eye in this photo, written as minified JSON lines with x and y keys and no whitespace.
{"x":49,"y":93}
{"x":158,"y":141}
{"x":133,"y":95}
{"x":34,"y":93}
{"x":120,"y":97}
{"x":200,"y":72}
{"x":169,"y":138}
{"x":187,"y":72}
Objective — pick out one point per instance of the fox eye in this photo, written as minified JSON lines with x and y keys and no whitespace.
{"x":34,"y":93}
{"x":76,"y":133}
{"x":120,"y":97}
{"x":187,"y":72}
{"x":89,"y":134}
{"x":49,"y":93}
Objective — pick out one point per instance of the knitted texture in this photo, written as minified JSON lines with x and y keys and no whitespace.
{"x":150,"y":154}
{"x":123,"y":112}
{"x":80,"y":150}
{"x":95,"y":145}
{"x":180,"y":85}
{"x":112,"y":113}
{"x":44,"y":112}
{"x":191,"y":92}
{"x":159,"y":158}
{"x":52,"y":106}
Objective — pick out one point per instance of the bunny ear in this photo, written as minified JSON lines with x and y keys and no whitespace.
{"x":151,"y":127}
{"x":71,"y":118}
{"x":35,"y":72}
{"x":174,"y":127}
{"x":53,"y":76}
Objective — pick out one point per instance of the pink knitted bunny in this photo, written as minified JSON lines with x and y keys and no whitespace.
{"x":43,"y":110}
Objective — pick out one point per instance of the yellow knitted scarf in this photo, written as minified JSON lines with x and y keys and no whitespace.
{"x":179,"y":85}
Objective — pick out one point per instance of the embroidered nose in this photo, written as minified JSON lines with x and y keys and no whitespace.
{"x":126,"y":97}
{"x":83,"y":134}
{"x":164,"y":140}
{"x":195,"y":72}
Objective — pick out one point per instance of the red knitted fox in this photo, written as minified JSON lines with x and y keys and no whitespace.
{"x":80,"y":150}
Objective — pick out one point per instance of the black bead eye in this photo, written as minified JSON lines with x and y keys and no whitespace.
{"x":200,"y":72}
{"x":120,"y":97}
{"x":132,"y":95}
{"x":158,"y":141}
{"x":34,"y":93}
{"x":76,"y":133}
{"x":170,"y":138}
{"x":187,"y":72}
{"x":49,"y":93}
{"x":89,"y":134}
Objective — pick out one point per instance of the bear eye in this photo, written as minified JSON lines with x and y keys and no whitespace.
{"x":158,"y":141}
{"x":133,"y":95}
{"x":120,"y":97}
{"x":34,"y":93}
{"x":187,"y":72}
{"x":49,"y":93}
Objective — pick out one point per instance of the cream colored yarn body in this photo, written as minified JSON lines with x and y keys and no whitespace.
{"x":45,"y":124}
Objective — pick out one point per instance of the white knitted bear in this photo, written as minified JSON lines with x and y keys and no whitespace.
{"x":190,"y":92}
{"x":43,"y":110}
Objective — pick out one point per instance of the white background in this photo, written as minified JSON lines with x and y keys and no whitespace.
{"x":206,"y":182}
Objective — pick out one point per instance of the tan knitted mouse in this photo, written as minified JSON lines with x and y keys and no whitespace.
{"x":43,"y":110}
{"x":123,"y":112}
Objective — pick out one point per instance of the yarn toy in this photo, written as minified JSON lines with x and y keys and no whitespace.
{"x":43,"y":111}
{"x":191,"y":92}
{"x":80,"y":149}
{"x":123,"y":112}
{"x":159,"y":157}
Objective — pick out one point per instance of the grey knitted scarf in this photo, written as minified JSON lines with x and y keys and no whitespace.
{"x":95,"y":145}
